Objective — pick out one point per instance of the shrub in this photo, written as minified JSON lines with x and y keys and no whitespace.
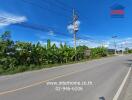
{"x":98,"y":52}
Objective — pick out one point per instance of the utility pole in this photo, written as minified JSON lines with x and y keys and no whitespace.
{"x":126,"y":47}
{"x":75,"y":28}
{"x":114,"y":37}
{"x":102,"y":43}
{"x":122,"y":48}
{"x":74,"y":20}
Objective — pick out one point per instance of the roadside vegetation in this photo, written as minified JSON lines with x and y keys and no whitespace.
{"x":17,"y":56}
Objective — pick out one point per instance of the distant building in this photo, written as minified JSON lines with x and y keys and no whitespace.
{"x":111,"y":51}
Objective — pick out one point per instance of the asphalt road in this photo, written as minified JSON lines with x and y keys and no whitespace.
{"x":103,"y":78}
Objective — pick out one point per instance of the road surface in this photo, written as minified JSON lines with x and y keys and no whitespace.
{"x":98,"y":78}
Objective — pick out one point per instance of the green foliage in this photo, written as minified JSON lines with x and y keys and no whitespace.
{"x":98,"y":52}
{"x":129,"y":51}
{"x":6,"y":36}
{"x":21,"y":56}
{"x":81,"y":52}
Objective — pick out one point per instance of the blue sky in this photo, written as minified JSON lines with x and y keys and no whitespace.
{"x":96,"y":25}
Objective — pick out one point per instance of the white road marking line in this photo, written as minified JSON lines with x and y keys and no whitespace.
{"x":41,"y":82}
{"x":122,"y":85}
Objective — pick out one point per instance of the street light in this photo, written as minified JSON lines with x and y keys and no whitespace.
{"x":114,"y":37}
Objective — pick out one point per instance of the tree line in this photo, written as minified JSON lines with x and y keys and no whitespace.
{"x":17,"y":56}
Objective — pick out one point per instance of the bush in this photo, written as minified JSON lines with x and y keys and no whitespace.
{"x":1,"y":70}
{"x":98,"y":52}
{"x":21,"y":56}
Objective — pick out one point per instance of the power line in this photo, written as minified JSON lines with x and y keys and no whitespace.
{"x":62,"y":3}
{"x":51,"y":10}
{"x":57,"y":5}
{"x":33,"y":26}
{"x":45,"y":8}
{"x":42,"y":28}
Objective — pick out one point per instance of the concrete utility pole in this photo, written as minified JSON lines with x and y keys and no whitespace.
{"x":75,"y":27}
{"x":126,"y":46}
{"x":114,"y":37}
{"x":122,"y":48}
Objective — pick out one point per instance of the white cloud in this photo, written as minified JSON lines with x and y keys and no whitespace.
{"x":106,"y":44}
{"x":52,"y":42}
{"x":87,"y":36}
{"x":8,"y":19}
{"x":77,"y":23}
{"x":70,"y":27}
{"x":120,"y":43}
{"x":43,"y":43}
{"x":52,"y":33}
{"x":126,"y":42}
{"x":88,"y":43}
